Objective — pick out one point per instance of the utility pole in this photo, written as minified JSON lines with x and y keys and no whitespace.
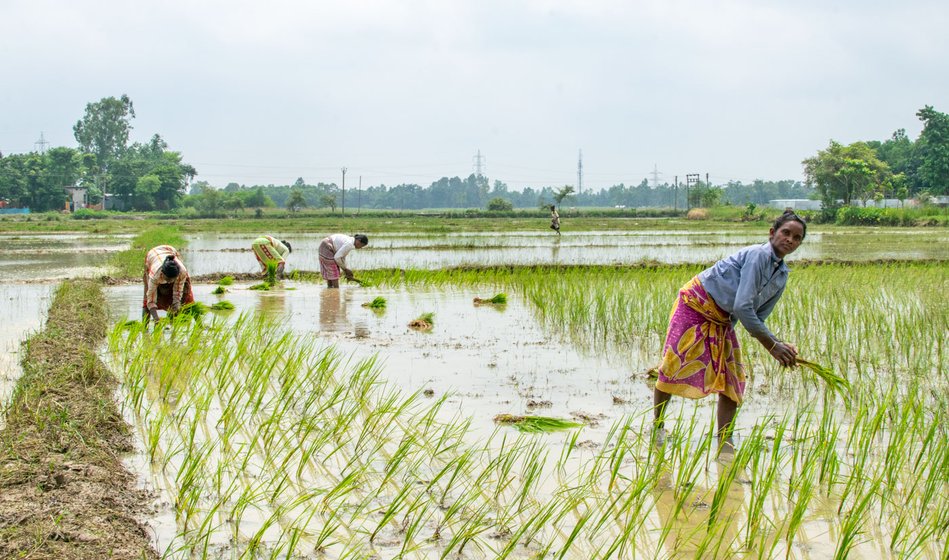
{"x":675,"y":197}
{"x":359,"y":195}
{"x":580,"y":175}
{"x":479,"y":162}
{"x":690,"y":179}
{"x":655,"y":176}
{"x":344,"y":192}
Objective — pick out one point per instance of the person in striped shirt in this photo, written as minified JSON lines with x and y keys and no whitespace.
{"x":167,"y":284}
{"x":270,"y":250}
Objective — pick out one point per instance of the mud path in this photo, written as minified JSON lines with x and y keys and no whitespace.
{"x":64,"y":493}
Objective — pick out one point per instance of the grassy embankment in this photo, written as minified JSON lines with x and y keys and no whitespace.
{"x":64,"y":492}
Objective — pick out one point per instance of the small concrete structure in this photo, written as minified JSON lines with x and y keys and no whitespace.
{"x":78,"y":197}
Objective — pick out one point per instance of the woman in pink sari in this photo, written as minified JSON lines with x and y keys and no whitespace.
{"x":701,"y":354}
{"x":333,"y":251}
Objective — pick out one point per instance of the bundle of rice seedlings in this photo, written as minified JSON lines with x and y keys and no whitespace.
{"x":195,"y":310}
{"x":378,"y":302}
{"x":261,"y":286}
{"x":271,"y":273}
{"x":536,"y":424}
{"x":424,"y":322}
{"x":226,"y":281}
{"x":222,"y":306}
{"x":834,"y":381}
{"x":219,"y":290}
{"x":498,"y":299}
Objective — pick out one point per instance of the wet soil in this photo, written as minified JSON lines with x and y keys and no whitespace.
{"x":64,"y":493}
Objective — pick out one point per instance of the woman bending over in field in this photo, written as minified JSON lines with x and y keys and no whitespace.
{"x":701,"y":354}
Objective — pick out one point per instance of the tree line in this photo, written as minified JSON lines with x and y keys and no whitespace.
{"x":149,"y":176}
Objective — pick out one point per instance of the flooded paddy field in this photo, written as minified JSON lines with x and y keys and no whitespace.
{"x":209,"y":253}
{"x":302,"y":424}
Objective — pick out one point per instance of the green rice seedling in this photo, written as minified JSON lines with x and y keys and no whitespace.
{"x":377,"y":302}
{"x":263,"y":286}
{"x":219,"y":290}
{"x":193,"y":310}
{"x":272,"y":273}
{"x":222,"y":306}
{"x":536,"y":424}
{"x":226,"y":281}
{"x":834,"y":381}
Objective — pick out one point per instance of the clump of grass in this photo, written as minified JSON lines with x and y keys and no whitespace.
{"x":222,"y":306}
{"x":271,"y":273}
{"x":378,"y":302}
{"x":834,"y":381}
{"x":498,"y":299}
{"x":219,"y":290}
{"x":262,"y":286}
{"x":423,"y":322}
{"x":226,"y":281}
{"x":536,"y":424}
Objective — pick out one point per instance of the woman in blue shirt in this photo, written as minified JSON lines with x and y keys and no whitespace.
{"x":701,"y":354}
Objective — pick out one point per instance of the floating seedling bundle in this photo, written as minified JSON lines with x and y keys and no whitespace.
{"x":378,"y":303}
{"x":423,"y":322}
{"x":498,"y":299}
{"x":536,"y":424}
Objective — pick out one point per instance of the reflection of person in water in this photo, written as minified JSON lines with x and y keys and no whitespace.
{"x":685,"y":519}
{"x":333,"y":251}
{"x":270,"y":250}
{"x":332,"y":311}
{"x":167,"y":283}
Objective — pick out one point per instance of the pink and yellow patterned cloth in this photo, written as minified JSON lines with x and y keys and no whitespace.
{"x":701,"y":354}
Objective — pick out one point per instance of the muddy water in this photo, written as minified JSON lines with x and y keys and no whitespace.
{"x":22,"y":311}
{"x":27,"y":258}
{"x":491,"y":359}
{"x":208,"y":253}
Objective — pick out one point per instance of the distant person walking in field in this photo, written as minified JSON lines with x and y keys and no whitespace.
{"x":701,"y":354}
{"x":269,"y":250}
{"x":554,"y":219}
{"x":167,"y":283}
{"x":333,"y":251}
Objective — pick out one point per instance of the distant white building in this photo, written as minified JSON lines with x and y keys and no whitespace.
{"x":795,"y":203}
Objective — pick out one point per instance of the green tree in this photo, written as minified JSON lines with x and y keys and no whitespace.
{"x":562,"y":194}
{"x":258,"y":199}
{"x":104,"y":128}
{"x":328,"y":199}
{"x":210,"y":202}
{"x":846,"y":173}
{"x":932,"y":151}
{"x":296,"y":201}
{"x":498,"y":204}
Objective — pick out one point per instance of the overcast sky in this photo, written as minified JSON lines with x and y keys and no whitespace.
{"x":410,"y":90}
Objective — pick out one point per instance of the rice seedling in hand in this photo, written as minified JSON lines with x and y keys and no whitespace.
{"x":194,"y":310}
{"x":378,"y":302}
{"x":423,"y":322}
{"x":536,"y":424}
{"x":834,"y":381}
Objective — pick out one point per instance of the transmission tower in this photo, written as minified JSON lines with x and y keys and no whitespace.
{"x":655,"y":175}
{"x":580,"y":173}
{"x":479,"y":164}
{"x":41,"y":144}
